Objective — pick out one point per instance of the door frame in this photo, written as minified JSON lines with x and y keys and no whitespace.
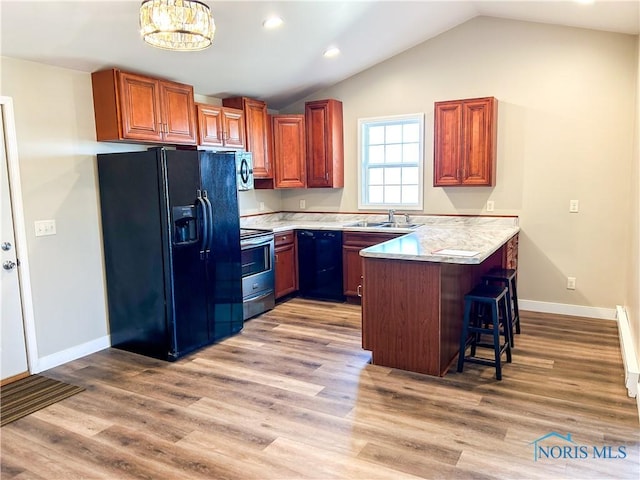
{"x":20,"y":232}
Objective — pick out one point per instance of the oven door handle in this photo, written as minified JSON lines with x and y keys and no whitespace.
{"x":205,"y":197}
{"x":256,"y":242}
{"x":205,"y":225}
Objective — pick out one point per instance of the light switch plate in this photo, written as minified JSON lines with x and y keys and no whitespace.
{"x":574,"y":206}
{"x":45,"y":227}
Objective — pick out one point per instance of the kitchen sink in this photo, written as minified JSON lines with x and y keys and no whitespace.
{"x":399,"y":225}
{"x":364,"y":223}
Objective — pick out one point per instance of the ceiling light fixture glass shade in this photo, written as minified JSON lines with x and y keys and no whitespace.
{"x":183,"y":25}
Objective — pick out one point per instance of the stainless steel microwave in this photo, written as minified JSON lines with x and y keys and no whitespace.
{"x":244,"y":170}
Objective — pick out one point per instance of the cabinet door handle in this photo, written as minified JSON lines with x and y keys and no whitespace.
{"x":276,"y":257}
{"x":359,"y":290}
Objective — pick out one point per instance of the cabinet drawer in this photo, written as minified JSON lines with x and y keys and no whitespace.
{"x":283,"y":238}
{"x":365,"y":239}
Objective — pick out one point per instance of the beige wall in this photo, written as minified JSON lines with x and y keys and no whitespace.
{"x":633,"y":281}
{"x":565,"y":132}
{"x":57,"y":148}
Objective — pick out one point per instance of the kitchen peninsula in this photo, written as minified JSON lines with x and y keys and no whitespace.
{"x":413,"y":286}
{"x":413,"y":290}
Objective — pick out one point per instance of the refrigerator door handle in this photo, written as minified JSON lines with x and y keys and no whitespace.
{"x":205,"y":224}
{"x":205,"y":197}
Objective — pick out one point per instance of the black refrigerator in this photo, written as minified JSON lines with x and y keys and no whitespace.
{"x":171,"y":236}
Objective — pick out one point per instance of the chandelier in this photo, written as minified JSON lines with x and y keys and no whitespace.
{"x":184,"y":25}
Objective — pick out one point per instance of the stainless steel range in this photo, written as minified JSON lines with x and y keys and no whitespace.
{"x":258,"y":277}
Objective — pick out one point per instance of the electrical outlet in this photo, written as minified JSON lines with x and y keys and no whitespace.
{"x":303,"y":204}
{"x":574,"y":206}
{"x":45,"y":227}
{"x":490,"y":205}
{"x":571,"y":283}
{"x":262,"y":206}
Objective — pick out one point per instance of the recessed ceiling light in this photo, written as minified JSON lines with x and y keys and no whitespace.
{"x":331,"y":52}
{"x":272,"y":22}
{"x":584,"y":2}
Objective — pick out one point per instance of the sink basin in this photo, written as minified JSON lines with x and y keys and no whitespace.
{"x":364,"y":223}
{"x":399,"y":225}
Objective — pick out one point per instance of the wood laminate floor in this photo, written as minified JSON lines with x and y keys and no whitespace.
{"x":293,"y":397}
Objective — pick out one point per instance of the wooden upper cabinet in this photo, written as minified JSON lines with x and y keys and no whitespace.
{"x":132,"y":107}
{"x":256,"y":133}
{"x":288,"y":151}
{"x":465,"y":138}
{"x":325,"y":143}
{"x":220,"y":126}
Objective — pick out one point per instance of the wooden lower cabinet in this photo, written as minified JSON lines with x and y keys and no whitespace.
{"x":352,"y":243}
{"x":412,"y":311}
{"x":286,"y":264}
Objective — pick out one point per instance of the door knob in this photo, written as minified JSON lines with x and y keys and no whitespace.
{"x":6,"y":246}
{"x":9,"y":265}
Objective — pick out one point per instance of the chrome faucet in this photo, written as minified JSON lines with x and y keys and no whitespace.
{"x":392,"y":217}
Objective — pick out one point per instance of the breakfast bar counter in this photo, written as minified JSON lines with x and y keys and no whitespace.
{"x":413,"y":291}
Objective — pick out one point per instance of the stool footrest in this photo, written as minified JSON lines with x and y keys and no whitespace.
{"x":486,"y":312}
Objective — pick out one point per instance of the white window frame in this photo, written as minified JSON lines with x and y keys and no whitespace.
{"x":362,"y":165}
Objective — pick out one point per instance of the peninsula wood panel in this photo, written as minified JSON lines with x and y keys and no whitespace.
{"x":412,"y":311}
{"x":399,"y":327}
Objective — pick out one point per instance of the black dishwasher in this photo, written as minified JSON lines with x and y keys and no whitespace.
{"x":320,"y":264}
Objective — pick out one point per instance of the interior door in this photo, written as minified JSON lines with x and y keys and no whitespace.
{"x":13,"y":361}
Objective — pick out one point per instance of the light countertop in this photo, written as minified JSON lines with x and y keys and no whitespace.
{"x":445,"y":239}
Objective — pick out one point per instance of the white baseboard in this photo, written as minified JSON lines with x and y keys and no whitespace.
{"x":567,"y":309}
{"x":627,"y":349}
{"x":79,"y":351}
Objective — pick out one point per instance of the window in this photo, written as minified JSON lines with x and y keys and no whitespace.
{"x":390,"y":153}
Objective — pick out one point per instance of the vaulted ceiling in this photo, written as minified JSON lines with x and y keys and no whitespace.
{"x":280,"y":66}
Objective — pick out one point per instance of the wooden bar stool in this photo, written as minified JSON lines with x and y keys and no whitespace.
{"x":485,"y":312}
{"x":507,"y":277}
